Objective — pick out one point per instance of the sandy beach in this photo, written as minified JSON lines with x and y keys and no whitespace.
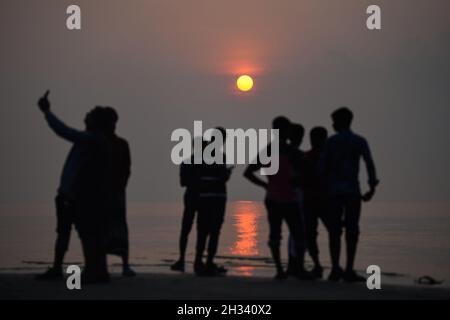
{"x":184,"y":287}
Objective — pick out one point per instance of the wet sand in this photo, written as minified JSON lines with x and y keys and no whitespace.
{"x":187,"y":286}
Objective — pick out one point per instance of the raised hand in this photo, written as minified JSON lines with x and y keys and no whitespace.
{"x":43,"y":103}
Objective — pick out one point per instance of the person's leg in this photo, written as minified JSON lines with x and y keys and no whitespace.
{"x":292,"y":268}
{"x":274,"y":215}
{"x":187,"y":222}
{"x":351,"y":222}
{"x":89,"y":256}
{"x":64,"y":220}
{"x":122,"y":225}
{"x":85,"y":229}
{"x":295,"y":262}
{"x":311,"y":225}
{"x":101,"y":263}
{"x":295,"y":223}
{"x":127,"y":271}
{"x":103,"y":274}
{"x":190,"y":207}
{"x":125,"y":261}
{"x":126,"y":252}
{"x":292,"y":251}
{"x":218,"y":214}
{"x":334,"y":226}
{"x":92,"y":232}
{"x":95,"y":265}
{"x":98,"y":225}
{"x":202,"y":233}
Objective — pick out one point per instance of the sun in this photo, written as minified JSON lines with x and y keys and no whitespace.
{"x":244,"y":83}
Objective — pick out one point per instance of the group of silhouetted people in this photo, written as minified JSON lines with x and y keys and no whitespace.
{"x":91,"y":194}
{"x":206,"y":195}
{"x":320,"y":184}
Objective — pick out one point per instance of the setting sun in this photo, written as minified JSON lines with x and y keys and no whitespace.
{"x":244,"y":83}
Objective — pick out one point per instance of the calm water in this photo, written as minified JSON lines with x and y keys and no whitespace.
{"x":405,"y":240}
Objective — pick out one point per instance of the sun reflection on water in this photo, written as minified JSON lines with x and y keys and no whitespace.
{"x":245,"y":220}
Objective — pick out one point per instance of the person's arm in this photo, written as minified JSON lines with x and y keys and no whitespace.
{"x":371,"y":172}
{"x":127,"y":162}
{"x":66,"y":132}
{"x":59,"y":127}
{"x":249,"y":173}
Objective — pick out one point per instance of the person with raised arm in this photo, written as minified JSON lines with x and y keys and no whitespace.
{"x":82,"y":193}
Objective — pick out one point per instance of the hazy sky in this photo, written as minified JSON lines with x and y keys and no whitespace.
{"x":163,"y":64}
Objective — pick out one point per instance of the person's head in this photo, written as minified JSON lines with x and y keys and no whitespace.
{"x":223,"y":134}
{"x":318,"y":137}
{"x":101,"y":119}
{"x":93,"y":119}
{"x":296,"y":133}
{"x":283,"y":125}
{"x":110,"y":118}
{"x":342,"y":119}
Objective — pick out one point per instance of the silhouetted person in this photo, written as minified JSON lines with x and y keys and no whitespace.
{"x":211,"y":213}
{"x":189,"y":178}
{"x":81,"y":194}
{"x":314,"y":192}
{"x":118,"y":239}
{"x":340,"y":165}
{"x":281,"y":199}
{"x":296,"y":263}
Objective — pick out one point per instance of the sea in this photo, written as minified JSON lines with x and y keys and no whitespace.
{"x":406,"y":240}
